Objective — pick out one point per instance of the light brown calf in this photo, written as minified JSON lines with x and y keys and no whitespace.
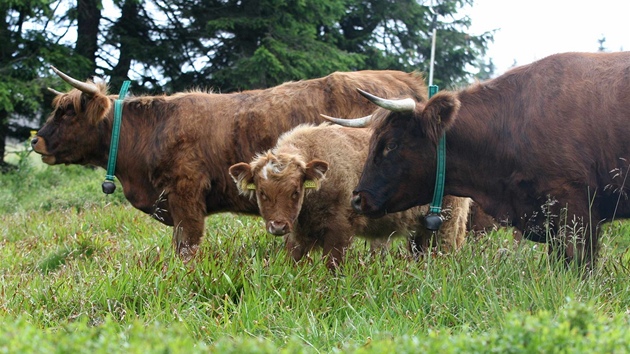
{"x":303,"y":188}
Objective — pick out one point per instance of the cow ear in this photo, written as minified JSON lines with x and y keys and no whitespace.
{"x":439,"y":114}
{"x":98,"y":105}
{"x":242,"y":175}
{"x":316,"y":171}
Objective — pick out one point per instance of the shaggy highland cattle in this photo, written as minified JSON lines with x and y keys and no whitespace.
{"x":303,"y":188}
{"x":174,"y":151}
{"x":545,"y":146}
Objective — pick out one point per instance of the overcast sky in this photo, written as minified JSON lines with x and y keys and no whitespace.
{"x":533,"y":29}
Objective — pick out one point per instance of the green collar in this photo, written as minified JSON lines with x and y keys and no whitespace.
{"x":434,"y":220}
{"x":108,"y":185}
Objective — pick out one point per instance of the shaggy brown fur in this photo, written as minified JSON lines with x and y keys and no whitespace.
{"x":321,"y":216}
{"x":175,"y":151}
{"x":545,"y":146}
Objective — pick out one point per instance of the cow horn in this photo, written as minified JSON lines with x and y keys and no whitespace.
{"x":402,"y":105}
{"x":85,"y":87}
{"x":353,"y":123}
{"x":54,"y":91}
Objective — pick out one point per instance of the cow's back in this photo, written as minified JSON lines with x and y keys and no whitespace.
{"x":243,"y":124}
{"x":565,"y":117}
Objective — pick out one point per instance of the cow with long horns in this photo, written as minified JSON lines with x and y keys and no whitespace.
{"x":544,"y":146}
{"x":303,"y":188}
{"x":174,"y":151}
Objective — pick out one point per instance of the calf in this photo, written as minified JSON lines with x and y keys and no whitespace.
{"x":303,"y":188}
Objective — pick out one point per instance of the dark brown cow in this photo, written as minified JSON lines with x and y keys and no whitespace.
{"x":175,"y":151}
{"x":303,"y":188}
{"x":545,"y":146}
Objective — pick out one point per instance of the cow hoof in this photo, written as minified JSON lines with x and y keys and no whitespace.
{"x":188,"y":253}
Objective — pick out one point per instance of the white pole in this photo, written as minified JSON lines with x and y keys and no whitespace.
{"x":432,"y":57}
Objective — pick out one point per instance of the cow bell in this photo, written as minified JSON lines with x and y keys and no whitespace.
{"x":433,"y":221}
{"x":108,"y":187}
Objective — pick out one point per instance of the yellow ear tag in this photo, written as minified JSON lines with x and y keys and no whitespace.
{"x":309,"y":183}
{"x":251,"y":186}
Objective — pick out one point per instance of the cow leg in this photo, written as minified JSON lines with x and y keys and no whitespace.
{"x":576,"y":239}
{"x":479,"y":222}
{"x":420,"y":242}
{"x":452,"y":234}
{"x":334,"y":248}
{"x":581,"y":246}
{"x":188,"y":220}
{"x":557,"y":251}
{"x":297,"y":247}
{"x":582,"y":249}
{"x":380,"y":246}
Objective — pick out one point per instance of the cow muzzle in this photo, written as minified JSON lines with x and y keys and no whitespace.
{"x":278,"y":228}
{"x":361,"y":205}
{"x":34,"y":143}
{"x":39,"y":146}
{"x":357,"y":202}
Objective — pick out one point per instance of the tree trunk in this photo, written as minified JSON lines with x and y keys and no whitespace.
{"x":125,"y":28}
{"x":4,"y":128}
{"x":6,"y":51}
{"x":88,"y":18}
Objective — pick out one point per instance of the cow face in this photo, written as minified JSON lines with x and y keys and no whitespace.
{"x":73,"y":134}
{"x":279,"y":184}
{"x":399,"y":172}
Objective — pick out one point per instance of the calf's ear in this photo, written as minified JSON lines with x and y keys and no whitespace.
{"x":439,"y":114}
{"x":316,"y":171}
{"x":241,"y":173}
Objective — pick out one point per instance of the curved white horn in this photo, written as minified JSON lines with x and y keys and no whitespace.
{"x":54,"y":91}
{"x":353,"y":123}
{"x":89,"y":89}
{"x":402,"y":105}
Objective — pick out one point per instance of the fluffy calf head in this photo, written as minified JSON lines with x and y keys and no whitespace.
{"x":72,"y":133}
{"x":279,"y":182}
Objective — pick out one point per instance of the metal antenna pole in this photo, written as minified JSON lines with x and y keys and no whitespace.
{"x":433,"y":36}
{"x":432,"y":57}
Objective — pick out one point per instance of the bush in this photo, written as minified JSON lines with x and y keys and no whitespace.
{"x":40,"y":187}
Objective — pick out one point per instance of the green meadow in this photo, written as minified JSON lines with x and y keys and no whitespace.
{"x":82,"y":272}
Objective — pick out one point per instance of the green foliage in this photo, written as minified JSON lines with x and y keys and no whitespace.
{"x":226,"y":45}
{"x":101,"y":276}
{"x":20,"y":336}
{"x":255,"y":44}
{"x":523,"y":333}
{"x":28,"y":46}
{"x":264,"y":43}
{"x":33,"y":185}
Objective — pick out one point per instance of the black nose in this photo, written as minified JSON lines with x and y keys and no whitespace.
{"x":34,"y":141}
{"x":277,"y":228}
{"x":356,"y":202}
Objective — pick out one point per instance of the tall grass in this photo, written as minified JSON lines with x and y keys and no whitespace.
{"x":83,"y":272}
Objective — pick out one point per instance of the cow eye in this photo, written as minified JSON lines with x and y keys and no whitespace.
{"x":295,"y":195}
{"x":68,"y":111}
{"x":391,"y":146}
{"x":58,"y":117}
{"x":263,"y":196}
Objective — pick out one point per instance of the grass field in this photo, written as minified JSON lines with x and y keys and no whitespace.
{"x":85,"y":272}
